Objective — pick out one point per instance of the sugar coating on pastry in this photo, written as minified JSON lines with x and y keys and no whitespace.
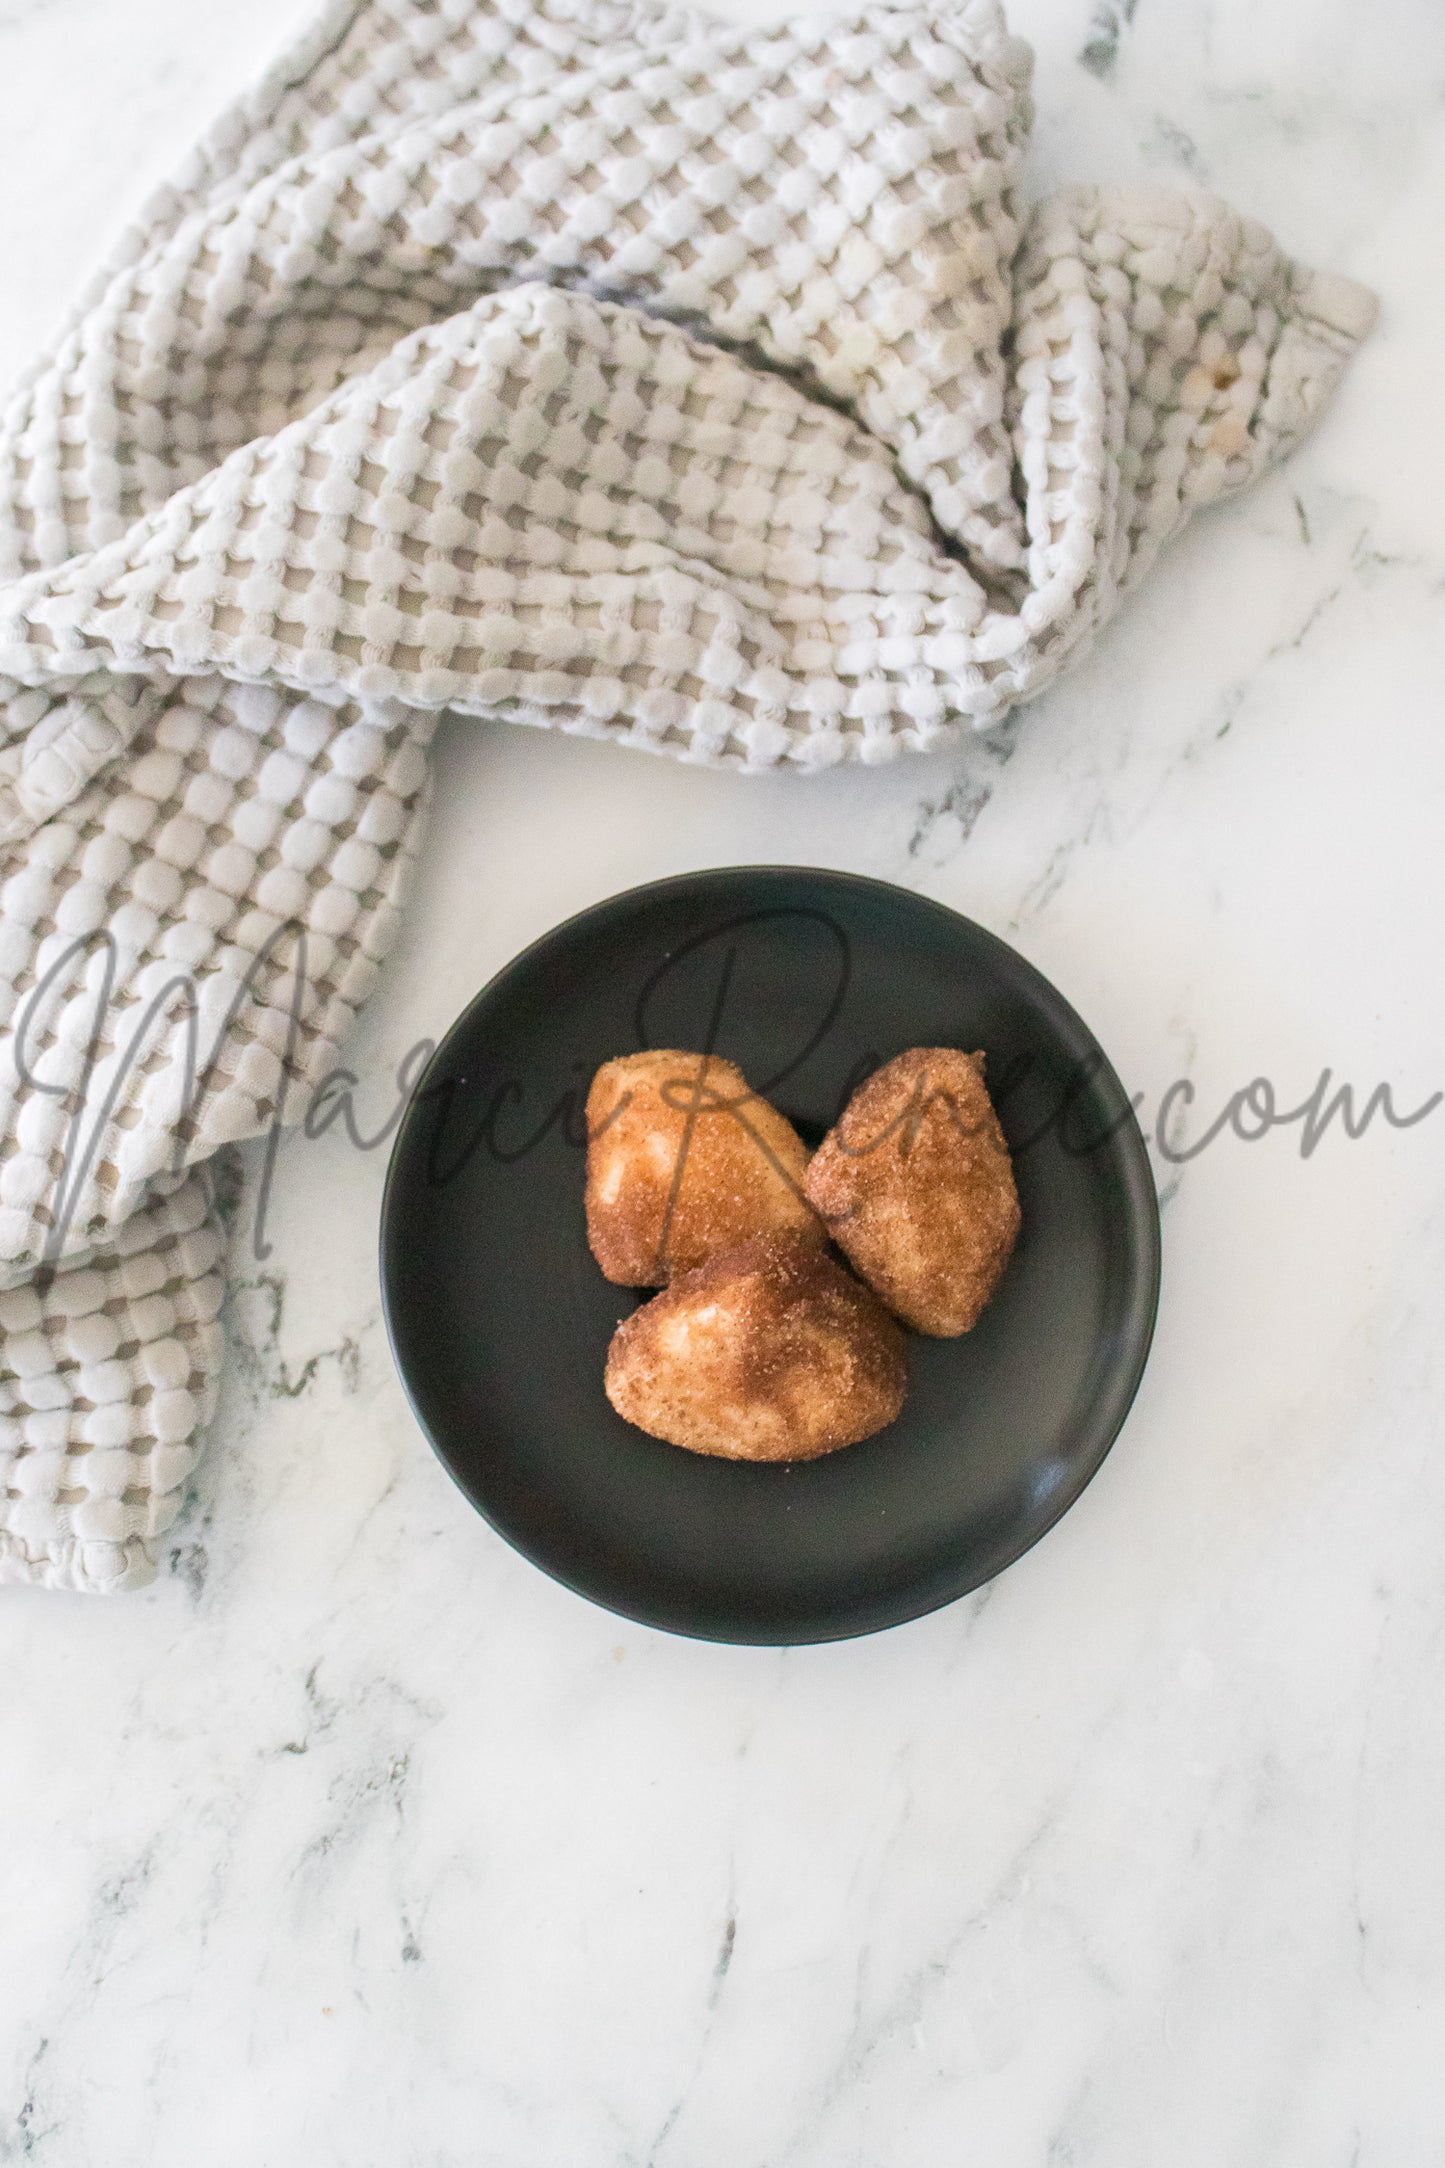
{"x":683,"y":1160}
{"x":768,"y":1352}
{"x":915,"y":1184}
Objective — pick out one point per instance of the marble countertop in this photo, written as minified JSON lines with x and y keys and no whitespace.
{"x":355,"y":1839}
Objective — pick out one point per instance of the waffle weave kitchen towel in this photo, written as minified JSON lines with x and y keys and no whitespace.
{"x":602,"y":367}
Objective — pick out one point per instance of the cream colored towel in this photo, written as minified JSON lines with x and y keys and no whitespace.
{"x":606,"y":368}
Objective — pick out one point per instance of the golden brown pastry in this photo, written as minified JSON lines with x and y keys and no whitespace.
{"x":915,"y":1183}
{"x":769,"y":1351}
{"x":683,"y":1159}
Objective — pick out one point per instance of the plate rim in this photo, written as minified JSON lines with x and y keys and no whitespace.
{"x":1139,"y":1188}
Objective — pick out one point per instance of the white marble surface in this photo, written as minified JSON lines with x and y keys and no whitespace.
{"x":355,"y":1840}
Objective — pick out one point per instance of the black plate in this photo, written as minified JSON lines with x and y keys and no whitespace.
{"x":499,"y":1319}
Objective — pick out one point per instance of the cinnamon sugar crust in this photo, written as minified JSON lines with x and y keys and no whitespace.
{"x":915,"y":1185}
{"x":767,"y":1352}
{"x":683,"y":1160}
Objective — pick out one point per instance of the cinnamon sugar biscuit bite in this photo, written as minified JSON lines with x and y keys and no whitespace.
{"x":684,"y":1159}
{"x":915,"y":1184}
{"x":769,"y":1351}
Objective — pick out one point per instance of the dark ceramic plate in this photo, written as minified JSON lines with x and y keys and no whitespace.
{"x":500,"y":1320}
